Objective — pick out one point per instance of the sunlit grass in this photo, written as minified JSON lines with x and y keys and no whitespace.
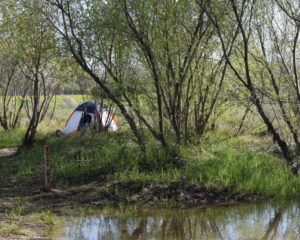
{"x":11,"y":138}
{"x":8,"y":228}
{"x":65,"y":105}
{"x":219,"y":164}
{"x":45,"y":217}
{"x":242,"y":170}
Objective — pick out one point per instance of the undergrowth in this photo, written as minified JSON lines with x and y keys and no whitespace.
{"x":216,"y":163}
{"x":11,"y":138}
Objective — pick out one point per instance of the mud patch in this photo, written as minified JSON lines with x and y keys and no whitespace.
{"x":113,"y":193}
{"x":176,"y":193}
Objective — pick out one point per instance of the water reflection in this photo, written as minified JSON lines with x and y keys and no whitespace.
{"x":266,"y":221}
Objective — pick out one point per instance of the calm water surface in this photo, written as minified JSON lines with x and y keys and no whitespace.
{"x":263,"y":220}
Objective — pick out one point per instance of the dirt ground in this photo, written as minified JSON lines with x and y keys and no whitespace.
{"x":6,"y":152}
{"x":30,"y":231}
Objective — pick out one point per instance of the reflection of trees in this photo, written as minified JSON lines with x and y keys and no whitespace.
{"x":141,"y":228}
{"x":216,"y":229}
{"x":176,"y":229}
{"x":164,"y":228}
{"x":107,"y":223}
{"x":188,"y":226}
{"x":273,"y":225}
{"x":271,"y":222}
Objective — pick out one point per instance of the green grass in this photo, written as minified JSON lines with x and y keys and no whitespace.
{"x":45,"y":217}
{"x":11,"y":138}
{"x":77,"y":158}
{"x":11,"y":228}
{"x":242,"y":170}
{"x":229,"y":163}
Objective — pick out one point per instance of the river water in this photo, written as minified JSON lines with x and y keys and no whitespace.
{"x":260,"y":220}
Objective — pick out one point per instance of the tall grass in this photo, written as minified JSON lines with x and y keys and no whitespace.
{"x":79,"y":158}
{"x":11,"y":138}
{"x":212,"y":163}
{"x":242,"y":170}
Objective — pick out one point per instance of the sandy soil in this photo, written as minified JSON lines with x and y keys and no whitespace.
{"x":6,"y":152}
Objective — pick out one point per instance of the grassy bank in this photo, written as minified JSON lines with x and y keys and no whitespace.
{"x":104,"y":169}
{"x":216,"y":162}
{"x":248,"y":164}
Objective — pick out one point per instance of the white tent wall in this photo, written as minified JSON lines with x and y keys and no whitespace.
{"x":74,"y":120}
{"x":72,"y":123}
{"x":107,"y":119}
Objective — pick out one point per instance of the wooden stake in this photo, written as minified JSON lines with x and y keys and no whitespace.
{"x":47,"y":169}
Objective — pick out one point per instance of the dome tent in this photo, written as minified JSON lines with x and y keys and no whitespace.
{"x":87,"y":114}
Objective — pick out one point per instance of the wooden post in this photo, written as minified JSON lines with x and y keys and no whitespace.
{"x":47,"y":169}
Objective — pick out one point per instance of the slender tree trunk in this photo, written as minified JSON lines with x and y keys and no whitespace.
{"x":281,"y":143}
{"x":31,"y":129}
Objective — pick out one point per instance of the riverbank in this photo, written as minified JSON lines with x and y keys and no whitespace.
{"x":247,"y":164}
{"x":100,"y":170}
{"x":47,"y":218}
{"x":29,"y":212}
{"x":114,"y":193}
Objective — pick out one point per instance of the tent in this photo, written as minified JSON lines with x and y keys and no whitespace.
{"x":88,"y":114}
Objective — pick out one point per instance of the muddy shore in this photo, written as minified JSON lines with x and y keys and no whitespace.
{"x":100,"y":194}
{"x":103,"y":193}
